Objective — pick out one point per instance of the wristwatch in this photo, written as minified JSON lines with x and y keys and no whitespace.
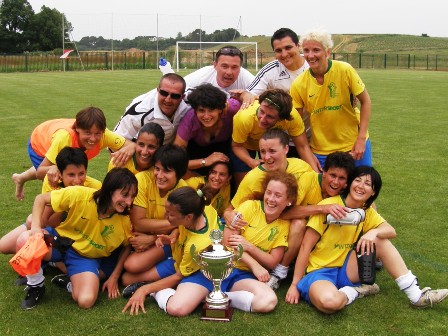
{"x":203,"y":162}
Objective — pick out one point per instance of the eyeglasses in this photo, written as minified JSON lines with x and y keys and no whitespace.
{"x":172,"y":95}
{"x":228,"y":51}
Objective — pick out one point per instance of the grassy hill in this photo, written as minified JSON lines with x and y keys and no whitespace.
{"x":375,"y":43}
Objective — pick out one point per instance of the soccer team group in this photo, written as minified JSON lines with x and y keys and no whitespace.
{"x":217,"y":150}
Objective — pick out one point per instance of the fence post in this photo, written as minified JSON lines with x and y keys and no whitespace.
{"x":360,"y":60}
{"x":427,"y":62}
{"x":106,"y":61}
{"x":436,"y":61}
{"x":144,"y":60}
{"x":409,"y":61}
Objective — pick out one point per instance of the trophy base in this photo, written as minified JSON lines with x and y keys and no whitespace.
{"x":217,"y":314}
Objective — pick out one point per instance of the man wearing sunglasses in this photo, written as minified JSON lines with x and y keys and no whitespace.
{"x":226,"y":73}
{"x":163,"y":105}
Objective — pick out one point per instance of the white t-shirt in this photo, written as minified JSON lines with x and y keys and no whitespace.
{"x":207,"y":74}
{"x":144,"y":109}
{"x":274,"y":75}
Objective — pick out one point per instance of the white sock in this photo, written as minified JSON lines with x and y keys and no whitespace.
{"x":350,"y":292}
{"x":241,"y":300}
{"x":69,"y":287}
{"x":36,"y":279}
{"x":281,"y":271}
{"x":163,"y":296}
{"x":409,"y":285}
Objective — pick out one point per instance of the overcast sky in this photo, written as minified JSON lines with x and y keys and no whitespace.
{"x":129,"y":18}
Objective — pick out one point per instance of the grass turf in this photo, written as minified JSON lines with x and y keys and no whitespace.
{"x":407,"y":130}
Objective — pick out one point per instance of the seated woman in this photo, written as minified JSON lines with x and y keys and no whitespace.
{"x":98,"y":223}
{"x":327,"y":277}
{"x":264,"y":241}
{"x":206,"y":129}
{"x":149,"y":138}
{"x":274,"y":109}
{"x":218,"y":180}
{"x":87,"y":131}
{"x":148,"y":213}
{"x":186,"y":209}
{"x":72,"y":163}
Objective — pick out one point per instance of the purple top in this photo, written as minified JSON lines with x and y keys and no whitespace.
{"x":190,"y":126}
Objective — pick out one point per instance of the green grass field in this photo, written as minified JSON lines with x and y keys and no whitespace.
{"x":408,"y":131}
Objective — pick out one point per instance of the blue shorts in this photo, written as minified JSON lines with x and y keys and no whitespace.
{"x":56,"y":255}
{"x":236,"y":275}
{"x":76,"y":263}
{"x":336,"y":275}
{"x":167,"y":251}
{"x":239,"y":166}
{"x":35,"y":158}
{"x":165,"y":268}
{"x":365,"y":161}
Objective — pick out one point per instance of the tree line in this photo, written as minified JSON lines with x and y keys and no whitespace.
{"x":23,"y":30}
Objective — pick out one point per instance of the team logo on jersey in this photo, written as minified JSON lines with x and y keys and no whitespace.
{"x":332,"y":88}
{"x":283,"y":73}
{"x":107,"y":231}
{"x":273,"y":233}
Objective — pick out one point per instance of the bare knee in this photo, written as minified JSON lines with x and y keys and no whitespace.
{"x":264,"y":303}
{"x":86,"y":300}
{"x":329,"y":302}
{"x":173,"y":308}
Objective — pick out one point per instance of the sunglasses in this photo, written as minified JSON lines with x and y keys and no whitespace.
{"x":229,"y":52}
{"x":172,"y":95}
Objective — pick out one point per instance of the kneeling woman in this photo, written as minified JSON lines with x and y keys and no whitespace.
{"x":99,"y":224}
{"x":264,"y":241}
{"x":189,"y":211}
{"x":326,"y":272}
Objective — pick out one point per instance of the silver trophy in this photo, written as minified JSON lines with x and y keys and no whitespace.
{"x":216,"y":263}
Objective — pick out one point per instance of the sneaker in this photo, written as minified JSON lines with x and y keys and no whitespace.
{"x":33,"y":295}
{"x":62,"y":281}
{"x":430,"y":297}
{"x":128,"y":291}
{"x":20,"y":281}
{"x":366,"y":290}
{"x":274,"y":282}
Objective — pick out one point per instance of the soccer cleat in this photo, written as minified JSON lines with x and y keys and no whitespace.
{"x":62,"y":281}
{"x":33,"y":295}
{"x":128,"y":291}
{"x":274,"y":282}
{"x":366,"y":290}
{"x":430,"y":297}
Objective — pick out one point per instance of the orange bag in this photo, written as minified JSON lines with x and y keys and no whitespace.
{"x":28,"y":259}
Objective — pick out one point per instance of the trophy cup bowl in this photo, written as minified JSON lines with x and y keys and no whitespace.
{"x":216,"y":263}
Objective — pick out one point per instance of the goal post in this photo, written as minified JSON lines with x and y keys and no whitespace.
{"x":216,"y":43}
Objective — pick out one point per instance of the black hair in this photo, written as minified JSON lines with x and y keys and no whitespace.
{"x":155,"y":129}
{"x":116,"y":178}
{"x":375,"y":179}
{"x":207,"y":96}
{"x":340,"y":160}
{"x":70,"y":155}
{"x":190,"y":201}
{"x":172,"y":157}
{"x":282,"y":33}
